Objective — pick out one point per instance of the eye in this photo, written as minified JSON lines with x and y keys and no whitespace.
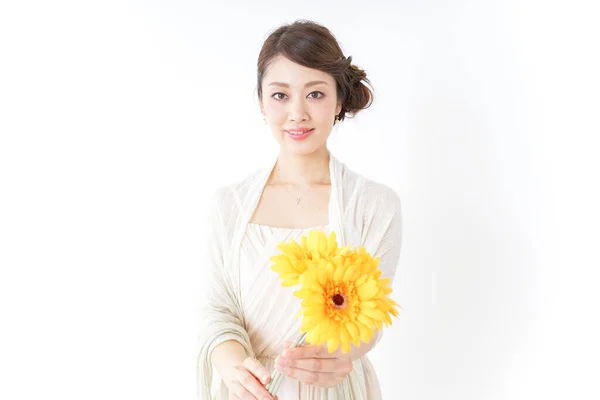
{"x":276,"y":98}
{"x":321,"y":94}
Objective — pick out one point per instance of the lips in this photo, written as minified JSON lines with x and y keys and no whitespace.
{"x":298,"y":131}
{"x":299,"y":134}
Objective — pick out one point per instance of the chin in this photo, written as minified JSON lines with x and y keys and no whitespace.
{"x":302,"y":148}
{"x":301,"y":152}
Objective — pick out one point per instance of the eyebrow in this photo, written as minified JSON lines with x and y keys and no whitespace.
{"x":311,"y":83}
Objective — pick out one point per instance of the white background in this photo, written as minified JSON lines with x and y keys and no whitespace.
{"x":118,"y":118}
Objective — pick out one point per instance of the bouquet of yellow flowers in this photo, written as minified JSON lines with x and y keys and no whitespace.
{"x":343,"y":295}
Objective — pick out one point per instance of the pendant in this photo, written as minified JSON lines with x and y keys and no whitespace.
{"x":297,"y":200}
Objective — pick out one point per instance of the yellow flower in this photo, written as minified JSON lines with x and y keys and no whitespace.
{"x":296,"y":257}
{"x":344,"y":300}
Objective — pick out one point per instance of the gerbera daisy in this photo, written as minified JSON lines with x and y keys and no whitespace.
{"x":343,"y":297}
{"x":344,"y":300}
{"x":296,"y":257}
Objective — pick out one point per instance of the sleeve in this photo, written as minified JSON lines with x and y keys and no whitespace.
{"x":220,"y":317}
{"x":389,"y":214}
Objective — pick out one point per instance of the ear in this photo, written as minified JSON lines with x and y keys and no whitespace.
{"x":338,"y":108}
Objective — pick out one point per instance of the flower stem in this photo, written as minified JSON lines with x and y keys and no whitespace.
{"x":277,"y":377}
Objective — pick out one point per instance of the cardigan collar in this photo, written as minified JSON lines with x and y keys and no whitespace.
{"x":335,"y":208}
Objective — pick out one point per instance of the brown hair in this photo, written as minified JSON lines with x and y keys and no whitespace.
{"x":314,"y":46}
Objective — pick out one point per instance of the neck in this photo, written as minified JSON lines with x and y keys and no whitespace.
{"x":302,"y":170}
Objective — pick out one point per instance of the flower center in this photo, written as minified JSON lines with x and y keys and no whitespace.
{"x":339,"y":300}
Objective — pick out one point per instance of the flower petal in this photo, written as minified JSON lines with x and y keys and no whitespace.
{"x":367,"y":291}
{"x":332,"y":344}
{"x":309,"y":323}
{"x":329,"y":270}
{"x":361,"y":279}
{"x":373,"y":313}
{"x":350,"y":273}
{"x":345,"y":338}
{"x":305,"y":293}
{"x":290,"y":280}
{"x":368,"y":304}
{"x":332,"y":243}
{"x":354,"y":332}
{"x":365,"y":332}
{"x":366,"y":320}
{"x":313,"y":311}
{"x":322,"y":244}
{"x":338,"y":274}
{"x":316,"y":300}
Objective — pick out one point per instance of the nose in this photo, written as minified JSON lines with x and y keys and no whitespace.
{"x":297,"y":111}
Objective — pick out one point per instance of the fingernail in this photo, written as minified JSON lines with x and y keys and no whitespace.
{"x":265,"y":379}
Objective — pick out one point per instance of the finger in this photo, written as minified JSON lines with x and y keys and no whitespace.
{"x":257,"y":369}
{"x":316,"y":364}
{"x":237,"y":391}
{"x":309,"y":351}
{"x":323,"y":379}
{"x":252,"y":386}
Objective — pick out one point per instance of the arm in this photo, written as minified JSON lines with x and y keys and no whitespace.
{"x":220,"y":316}
{"x":244,"y":376}
{"x":226,"y":357}
{"x":388,"y":250}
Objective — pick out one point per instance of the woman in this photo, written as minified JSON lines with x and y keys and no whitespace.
{"x":305,"y":86}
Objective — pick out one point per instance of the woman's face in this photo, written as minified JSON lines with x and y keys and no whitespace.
{"x":294,"y":98}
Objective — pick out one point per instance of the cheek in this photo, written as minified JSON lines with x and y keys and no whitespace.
{"x":324,"y":112}
{"x":275,"y":113}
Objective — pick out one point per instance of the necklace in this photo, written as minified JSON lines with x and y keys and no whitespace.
{"x":303,"y":194}
{"x":299,"y":197}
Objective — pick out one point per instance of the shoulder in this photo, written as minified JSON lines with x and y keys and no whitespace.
{"x":373,"y":194}
{"x":232,"y":193}
{"x":382,"y":194}
{"x":375,"y":211}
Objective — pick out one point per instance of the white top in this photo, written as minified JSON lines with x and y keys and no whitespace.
{"x":270,"y":309}
{"x":240,"y":291}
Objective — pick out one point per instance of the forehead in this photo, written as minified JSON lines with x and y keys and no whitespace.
{"x":284,"y":70}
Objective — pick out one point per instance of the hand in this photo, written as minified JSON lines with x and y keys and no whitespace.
{"x":313,"y":365}
{"x":248,"y":380}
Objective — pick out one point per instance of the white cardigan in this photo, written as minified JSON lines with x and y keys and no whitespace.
{"x":361,"y":212}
